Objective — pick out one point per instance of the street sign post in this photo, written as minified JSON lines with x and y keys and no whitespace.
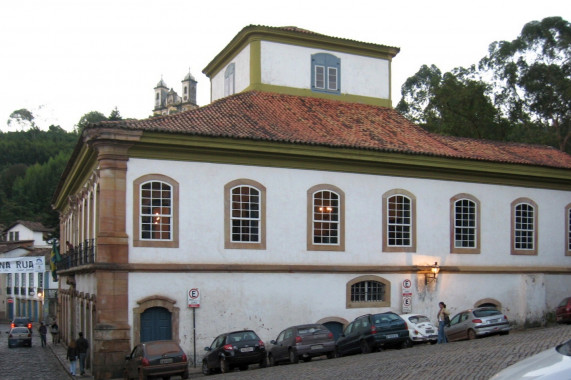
{"x":194,"y":297}
{"x":407,"y":296}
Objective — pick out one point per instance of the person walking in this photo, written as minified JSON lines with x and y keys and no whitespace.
{"x":54,"y":330}
{"x":43,"y":333}
{"x":443,"y":317}
{"x":72,"y":357}
{"x":82,"y":347}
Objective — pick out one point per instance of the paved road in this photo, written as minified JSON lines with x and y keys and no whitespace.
{"x":36,"y":363}
{"x":465,"y":360}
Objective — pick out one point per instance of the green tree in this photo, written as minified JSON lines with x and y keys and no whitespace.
{"x":532,"y":80}
{"x":88,"y":118}
{"x":115,"y":115}
{"x":453,"y":103}
{"x":22,"y":117}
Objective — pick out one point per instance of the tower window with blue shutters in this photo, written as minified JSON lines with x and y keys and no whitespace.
{"x":325,"y":73}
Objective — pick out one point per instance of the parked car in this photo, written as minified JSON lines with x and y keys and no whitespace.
{"x":552,"y":364}
{"x":469,"y":324}
{"x":161,"y":358}
{"x":301,"y":342}
{"x":21,"y":322}
{"x":420,"y":329}
{"x":370,"y":332}
{"x":234,"y":349}
{"x":563,"y":311}
{"x":20,"y":336}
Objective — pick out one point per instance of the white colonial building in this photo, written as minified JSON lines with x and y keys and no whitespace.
{"x":299,"y":195}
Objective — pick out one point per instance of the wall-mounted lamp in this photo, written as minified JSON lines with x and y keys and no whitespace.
{"x":431,"y":276}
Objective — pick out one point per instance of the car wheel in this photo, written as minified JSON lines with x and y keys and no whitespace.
{"x":205,"y":370}
{"x":331,"y":355}
{"x":407,"y":343}
{"x":337,"y":353}
{"x":264,"y":362}
{"x":504,"y":333}
{"x":365,"y":348}
{"x":293,"y":358}
{"x":272,"y":361}
{"x":224,"y":365}
{"x":243,"y":367}
{"x":185,"y":374}
{"x":471,"y":334}
{"x":306,"y":360}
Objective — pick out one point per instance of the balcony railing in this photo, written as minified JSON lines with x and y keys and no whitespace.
{"x":82,"y":254}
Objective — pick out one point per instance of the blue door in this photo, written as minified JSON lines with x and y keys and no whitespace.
{"x":335,"y":327}
{"x":156,"y":324}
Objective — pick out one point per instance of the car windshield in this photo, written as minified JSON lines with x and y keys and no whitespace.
{"x":486,"y":313}
{"x":565,"y":348}
{"x":419,"y":319}
{"x":563,"y":303}
{"x":384,"y":318}
{"x":242,"y":336}
{"x":162,"y":348}
{"x":309,"y":330}
{"x":20,"y":330}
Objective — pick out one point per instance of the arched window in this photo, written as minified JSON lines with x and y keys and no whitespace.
{"x":368,"y":291}
{"x":245,"y":213}
{"x":399,"y":221}
{"x":229,"y":87}
{"x":325,"y":218}
{"x":155,"y":211}
{"x":325,"y":73}
{"x":464,"y":224}
{"x":524,"y":227}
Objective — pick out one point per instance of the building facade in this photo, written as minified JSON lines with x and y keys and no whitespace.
{"x":299,"y":195}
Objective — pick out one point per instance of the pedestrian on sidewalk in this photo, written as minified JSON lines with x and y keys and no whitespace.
{"x":54,"y":329}
{"x":43,"y":333}
{"x":72,"y":357}
{"x":82,"y":346}
{"x":443,"y":317}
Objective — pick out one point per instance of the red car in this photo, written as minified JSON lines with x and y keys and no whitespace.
{"x":563,"y":311}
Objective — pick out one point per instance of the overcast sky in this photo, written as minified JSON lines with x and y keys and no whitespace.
{"x":63,"y":58}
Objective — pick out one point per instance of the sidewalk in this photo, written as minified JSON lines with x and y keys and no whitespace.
{"x":60,"y":351}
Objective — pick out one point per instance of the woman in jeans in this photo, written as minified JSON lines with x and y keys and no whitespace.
{"x":442,"y":315}
{"x":72,"y":357}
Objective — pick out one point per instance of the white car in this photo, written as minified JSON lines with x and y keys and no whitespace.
{"x":420,"y":329}
{"x":552,"y":364}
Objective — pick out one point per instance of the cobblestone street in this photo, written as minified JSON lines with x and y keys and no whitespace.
{"x":476,"y":359}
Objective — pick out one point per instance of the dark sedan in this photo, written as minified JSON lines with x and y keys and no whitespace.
{"x":234,"y":349}
{"x":160,"y":358}
{"x":304,"y":341}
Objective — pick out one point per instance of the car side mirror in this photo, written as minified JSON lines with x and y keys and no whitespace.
{"x":273,"y":342}
{"x":206,"y":348}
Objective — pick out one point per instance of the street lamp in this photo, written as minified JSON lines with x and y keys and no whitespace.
{"x":432,"y":275}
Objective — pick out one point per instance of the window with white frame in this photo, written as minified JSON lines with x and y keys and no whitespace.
{"x":524,"y":227}
{"x":229,"y":74}
{"x":155,"y":219}
{"x":368,"y":291}
{"x":325,"y":218}
{"x":399,"y":225}
{"x":325,"y":73}
{"x":245,"y":215}
{"x":464,"y":224}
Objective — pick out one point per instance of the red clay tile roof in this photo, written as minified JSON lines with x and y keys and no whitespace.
{"x":313,"y":121}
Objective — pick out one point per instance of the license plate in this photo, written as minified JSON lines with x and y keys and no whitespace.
{"x":493,"y":320}
{"x":392,"y":336}
{"x":247,"y":349}
{"x":166,"y":361}
{"x":429,"y":331}
{"x":317,"y":347}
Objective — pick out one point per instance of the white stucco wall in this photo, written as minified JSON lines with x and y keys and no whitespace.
{"x":241,"y":75}
{"x":290,"y":66}
{"x":269,"y":302}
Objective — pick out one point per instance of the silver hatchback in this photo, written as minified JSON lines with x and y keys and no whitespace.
{"x":469,"y":324}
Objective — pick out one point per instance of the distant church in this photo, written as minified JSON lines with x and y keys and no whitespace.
{"x":168,"y":102}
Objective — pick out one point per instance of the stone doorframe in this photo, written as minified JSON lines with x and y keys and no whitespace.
{"x":155,"y":301}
